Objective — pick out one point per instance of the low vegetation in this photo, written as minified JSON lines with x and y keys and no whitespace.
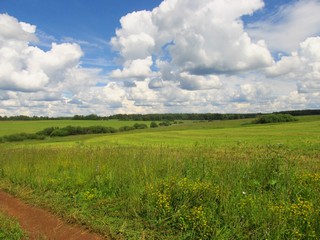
{"x":274,"y":118}
{"x":68,"y":131}
{"x":10,"y":229}
{"x":196,"y":181}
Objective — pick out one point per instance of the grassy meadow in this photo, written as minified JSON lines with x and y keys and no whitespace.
{"x":196,"y":180}
{"x":12,"y":127}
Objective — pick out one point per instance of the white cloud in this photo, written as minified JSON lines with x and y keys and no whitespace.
{"x":289,"y":26}
{"x":205,"y":37}
{"x":137,"y":69}
{"x":303,"y":66}
{"x":135,"y":40}
{"x":12,"y":31}
{"x":196,"y":82}
{"x":27,"y":68}
{"x":253,"y":93}
{"x":183,"y":56}
{"x":34,"y":81}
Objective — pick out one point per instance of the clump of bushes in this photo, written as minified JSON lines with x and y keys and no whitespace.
{"x":18,"y":137}
{"x":46,"y":131}
{"x":57,"y":132}
{"x":126,"y":128}
{"x":274,"y":118}
{"x":71,"y":130}
{"x":140,"y":126}
{"x":165,"y":123}
{"x":153,"y":125}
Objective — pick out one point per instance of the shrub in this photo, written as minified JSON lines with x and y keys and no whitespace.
{"x":34,"y":136}
{"x":140,"y":126}
{"x":46,"y":131}
{"x":165,"y":123}
{"x":153,"y":125}
{"x":111,"y":130}
{"x":14,"y":138}
{"x":126,"y":128}
{"x":18,"y":137}
{"x":274,"y":118}
{"x":59,"y":132}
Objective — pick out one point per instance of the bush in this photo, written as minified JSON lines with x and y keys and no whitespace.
{"x":126,"y":128}
{"x":35,"y":136}
{"x":70,"y":130}
{"x":46,"y":131}
{"x":140,"y":126}
{"x":14,"y":138}
{"x":19,"y":137}
{"x":274,"y":118}
{"x":165,"y":123}
{"x":59,"y":132}
{"x":153,"y":125}
{"x":111,"y":130}
{"x":99,"y":129}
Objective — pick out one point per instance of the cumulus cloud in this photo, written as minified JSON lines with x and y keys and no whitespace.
{"x":196,"y":82}
{"x":288,"y":26}
{"x":182,"y":56}
{"x":12,"y":31}
{"x":253,"y":93}
{"x":38,"y":82}
{"x":135,"y":40}
{"x":197,"y":38}
{"x":137,"y":69}
{"x":27,"y":68}
{"x":302,"y":66}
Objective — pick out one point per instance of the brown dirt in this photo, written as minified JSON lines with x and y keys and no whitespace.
{"x":40,"y":224}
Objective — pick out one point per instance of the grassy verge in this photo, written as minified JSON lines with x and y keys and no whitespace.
{"x":10,"y":229}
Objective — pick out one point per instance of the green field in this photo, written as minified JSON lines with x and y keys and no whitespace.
{"x":11,"y":127}
{"x":196,"y":180}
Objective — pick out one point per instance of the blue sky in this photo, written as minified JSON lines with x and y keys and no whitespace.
{"x":180,"y":56}
{"x":93,"y":21}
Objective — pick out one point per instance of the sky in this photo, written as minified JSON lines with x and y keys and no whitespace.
{"x":79,"y":57}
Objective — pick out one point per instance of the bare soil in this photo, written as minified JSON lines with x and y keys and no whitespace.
{"x":40,"y":224}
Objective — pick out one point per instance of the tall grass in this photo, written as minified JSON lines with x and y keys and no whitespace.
{"x":238,"y":191}
{"x":10,"y":229}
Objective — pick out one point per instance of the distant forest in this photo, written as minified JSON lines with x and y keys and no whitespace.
{"x":162,"y":117}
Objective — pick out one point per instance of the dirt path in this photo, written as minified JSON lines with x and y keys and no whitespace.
{"x":40,"y":224}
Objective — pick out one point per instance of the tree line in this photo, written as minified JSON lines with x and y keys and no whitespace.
{"x":161,"y":116}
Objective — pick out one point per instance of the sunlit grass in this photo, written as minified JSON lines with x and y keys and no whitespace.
{"x":236,"y":182}
{"x":10,"y":229}
{"x":11,"y":127}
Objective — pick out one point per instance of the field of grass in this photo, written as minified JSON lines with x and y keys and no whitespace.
{"x":10,"y":229}
{"x":12,"y":127}
{"x":197,"y":180}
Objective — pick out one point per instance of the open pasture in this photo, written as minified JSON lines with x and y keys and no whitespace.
{"x":12,"y":127}
{"x":201,"y":180}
